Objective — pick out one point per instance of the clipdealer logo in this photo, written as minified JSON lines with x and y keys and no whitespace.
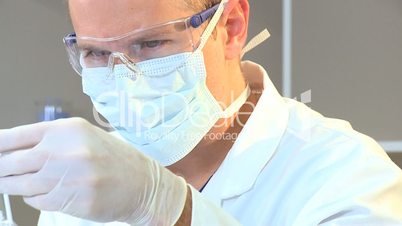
{"x":140,"y":117}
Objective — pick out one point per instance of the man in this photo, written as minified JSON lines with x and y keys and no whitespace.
{"x":168,"y":76}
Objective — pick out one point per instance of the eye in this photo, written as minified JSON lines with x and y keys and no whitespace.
{"x":95,"y":53}
{"x":99,"y":53}
{"x":153,"y":44}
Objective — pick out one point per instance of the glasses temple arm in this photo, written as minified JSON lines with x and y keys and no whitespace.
{"x":198,"y":19}
{"x":69,"y":39}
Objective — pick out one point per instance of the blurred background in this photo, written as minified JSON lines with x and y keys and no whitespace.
{"x":347,"y":54}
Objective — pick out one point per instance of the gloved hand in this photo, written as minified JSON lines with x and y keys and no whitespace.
{"x":73,"y":167}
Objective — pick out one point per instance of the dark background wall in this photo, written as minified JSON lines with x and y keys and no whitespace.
{"x":349,"y":54}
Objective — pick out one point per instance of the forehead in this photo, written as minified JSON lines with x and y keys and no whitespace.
{"x":109,"y":18}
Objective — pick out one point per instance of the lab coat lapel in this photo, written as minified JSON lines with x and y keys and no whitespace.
{"x":255,"y":146}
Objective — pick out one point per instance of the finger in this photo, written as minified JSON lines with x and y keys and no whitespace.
{"x":22,"y":162}
{"x":22,"y":137}
{"x":24,"y":185}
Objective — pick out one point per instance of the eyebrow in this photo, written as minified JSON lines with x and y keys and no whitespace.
{"x":151,"y":35}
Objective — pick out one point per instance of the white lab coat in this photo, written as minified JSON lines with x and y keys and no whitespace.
{"x":290,"y":166}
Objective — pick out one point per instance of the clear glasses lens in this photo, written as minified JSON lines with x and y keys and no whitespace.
{"x":138,"y":46}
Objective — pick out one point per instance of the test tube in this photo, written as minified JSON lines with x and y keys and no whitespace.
{"x":6,"y":215}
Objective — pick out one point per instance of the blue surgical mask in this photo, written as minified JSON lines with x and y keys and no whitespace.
{"x":167,"y":109}
{"x":164,"y":117}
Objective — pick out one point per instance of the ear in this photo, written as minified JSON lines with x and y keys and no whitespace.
{"x":235,"y":21}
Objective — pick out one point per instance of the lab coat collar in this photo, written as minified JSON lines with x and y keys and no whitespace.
{"x":257,"y":142}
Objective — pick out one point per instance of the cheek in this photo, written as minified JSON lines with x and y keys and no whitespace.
{"x":215,"y":65}
{"x":214,"y":56}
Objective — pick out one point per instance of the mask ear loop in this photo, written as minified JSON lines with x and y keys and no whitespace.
{"x":256,"y":41}
{"x":239,"y":102}
{"x":211,"y":26}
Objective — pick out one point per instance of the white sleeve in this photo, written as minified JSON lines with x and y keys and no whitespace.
{"x":206,"y":213}
{"x":46,"y":219}
{"x":380,"y":206}
{"x":365,"y":188}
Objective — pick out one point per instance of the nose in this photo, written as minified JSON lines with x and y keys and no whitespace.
{"x":120,"y":58}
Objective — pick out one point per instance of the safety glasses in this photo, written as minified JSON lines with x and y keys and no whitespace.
{"x":136,"y":46}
